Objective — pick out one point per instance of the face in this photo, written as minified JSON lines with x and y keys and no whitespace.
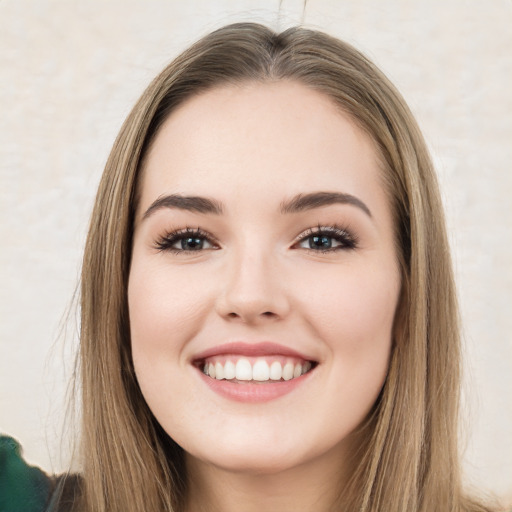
{"x":264,"y":279}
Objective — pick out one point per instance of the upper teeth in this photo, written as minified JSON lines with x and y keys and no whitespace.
{"x":259,"y":370}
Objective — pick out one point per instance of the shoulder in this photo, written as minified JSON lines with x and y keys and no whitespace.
{"x":22,"y":487}
{"x":25,"y":488}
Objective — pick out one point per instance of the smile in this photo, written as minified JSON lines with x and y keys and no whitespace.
{"x":253,"y":373}
{"x":261,"y":369}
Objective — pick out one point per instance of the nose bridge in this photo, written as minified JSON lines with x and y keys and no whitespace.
{"x":252,"y":287}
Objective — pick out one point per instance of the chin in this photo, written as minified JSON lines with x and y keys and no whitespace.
{"x":252,"y":462}
{"x":258,"y":454}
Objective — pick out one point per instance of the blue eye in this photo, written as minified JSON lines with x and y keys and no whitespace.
{"x":327,"y":239}
{"x":320,"y":242}
{"x":185,"y":241}
{"x":191,"y":244}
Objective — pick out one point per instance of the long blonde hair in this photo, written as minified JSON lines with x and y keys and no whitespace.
{"x":410,"y":461}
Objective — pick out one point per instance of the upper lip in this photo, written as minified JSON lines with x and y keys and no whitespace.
{"x":265,"y":348}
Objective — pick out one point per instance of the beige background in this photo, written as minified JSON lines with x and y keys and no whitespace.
{"x":69,"y":73}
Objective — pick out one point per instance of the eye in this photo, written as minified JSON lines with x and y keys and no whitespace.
{"x":186,"y":241}
{"x":327,"y":239}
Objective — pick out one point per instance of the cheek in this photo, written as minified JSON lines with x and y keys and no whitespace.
{"x":164,"y":315}
{"x":164,"y":306}
{"x":358,"y":298}
{"x":353,"y":311}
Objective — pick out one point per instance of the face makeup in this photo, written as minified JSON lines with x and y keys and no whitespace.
{"x":263,"y":283}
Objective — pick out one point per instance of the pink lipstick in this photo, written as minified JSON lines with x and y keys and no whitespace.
{"x":253,"y":372}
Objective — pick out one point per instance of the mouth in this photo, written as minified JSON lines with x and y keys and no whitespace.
{"x":253,"y":372}
{"x":269,"y":369}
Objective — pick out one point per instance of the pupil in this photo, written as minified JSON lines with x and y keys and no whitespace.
{"x":191,"y":244}
{"x":320,"y":241}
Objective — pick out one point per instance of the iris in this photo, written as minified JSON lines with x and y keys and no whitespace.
{"x":323,"y":242}
{"x":192,"y":244}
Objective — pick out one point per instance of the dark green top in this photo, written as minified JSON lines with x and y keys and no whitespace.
{"x":25,"y":488}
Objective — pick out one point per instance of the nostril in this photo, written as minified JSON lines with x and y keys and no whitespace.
{"x":268,"y":314}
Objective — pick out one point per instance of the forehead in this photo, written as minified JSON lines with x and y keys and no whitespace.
{"x":273,"y":138}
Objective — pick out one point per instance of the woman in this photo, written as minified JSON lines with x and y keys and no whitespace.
{"x":268,"y":310}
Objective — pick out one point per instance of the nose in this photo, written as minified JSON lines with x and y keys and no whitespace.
{"x":252,"y":290}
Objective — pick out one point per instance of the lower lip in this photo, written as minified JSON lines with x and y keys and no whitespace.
{"x":250,"y":392}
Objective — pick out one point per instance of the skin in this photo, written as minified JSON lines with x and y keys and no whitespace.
{"x":251,"y":147}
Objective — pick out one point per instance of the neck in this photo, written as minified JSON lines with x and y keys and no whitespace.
{"x":315,"y":485}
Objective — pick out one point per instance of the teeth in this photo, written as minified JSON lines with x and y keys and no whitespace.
{"x":287,"y":371}
{"x":276,"y":371}
{"x":229,"y":370}
{"x":243,"y":369}
{"x":219,"y":371}
{"x":260,"y":370}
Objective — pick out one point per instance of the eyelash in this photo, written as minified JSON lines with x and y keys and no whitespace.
{"x":166,"y":242}
{"x":340,"y":234}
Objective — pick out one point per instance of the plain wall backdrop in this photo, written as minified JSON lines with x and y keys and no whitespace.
{"x":70,"y":72}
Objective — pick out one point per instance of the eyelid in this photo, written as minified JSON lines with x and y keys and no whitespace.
{"x":165,"y":242}
{"x":335,"y":229}
{"x":344,"y":235}
{"x":341,"y":234}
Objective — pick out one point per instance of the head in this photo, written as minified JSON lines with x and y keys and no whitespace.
{"x":410,"y":429}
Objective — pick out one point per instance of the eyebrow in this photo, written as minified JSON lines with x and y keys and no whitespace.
{"x":303,"y":202}
{"x":191,"y":203}
{"x":298,"y":203}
